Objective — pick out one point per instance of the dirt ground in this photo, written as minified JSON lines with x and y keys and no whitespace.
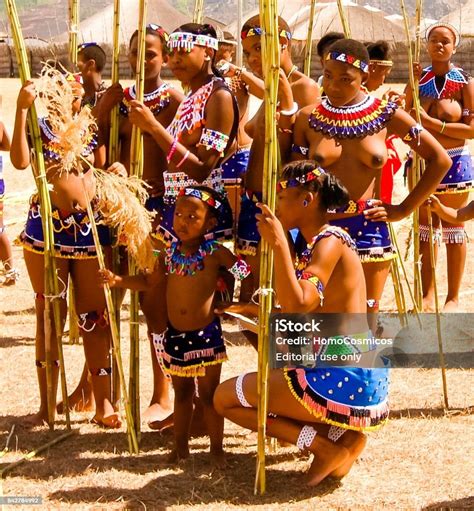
{"x":420,"y":460}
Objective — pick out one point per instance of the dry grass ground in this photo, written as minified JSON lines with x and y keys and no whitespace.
{"x":421,"y":460}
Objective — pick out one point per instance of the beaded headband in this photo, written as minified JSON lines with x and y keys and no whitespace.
{"x":159,"y":30}
{"x":298,"y":181}
{"x":454,"y":30}
{"x":348,"y":59}
{"x":187,"y":41}
{"x":258,"y":31}
{"x":385,"y":63}
{"x":201,"y":195}
{"x":82,"y":46}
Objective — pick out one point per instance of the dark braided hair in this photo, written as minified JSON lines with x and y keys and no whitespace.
{"x":332,"y":194}
{"x":380,"y":50}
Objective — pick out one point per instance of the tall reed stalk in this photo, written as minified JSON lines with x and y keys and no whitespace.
{"x":73,"y":29}
{"x":136,"y":169}
{"x":271,"y":61}
{"x":309,"y":40}
{"x":345,"y":24}
{"x":51,"y":286}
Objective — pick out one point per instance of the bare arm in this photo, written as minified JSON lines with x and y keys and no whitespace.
{"x":297,"y":295}
{"x":20,"y":150}
{"x":198,"y":166}
{"x":451,"y":215}
{"x":4,"y":138}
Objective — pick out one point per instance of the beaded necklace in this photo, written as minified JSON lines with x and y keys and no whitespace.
{"x":186,"y":265}
{"x":190,"y":113}
{"x":156,"y":101}
{"x":444,"y":86}
{"x":368,"y":117}
{"x":302,"y":260}
{"x":53,"y":150}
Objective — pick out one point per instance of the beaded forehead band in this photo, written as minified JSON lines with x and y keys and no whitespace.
{"x":384,"y":63}
{"x":348,"y":59}
{"x":201,"y":195}
{"x":298,"y":181}
{"x":454,"y":30}
{"x":258,"y":32}
{"x":159,"y":30}
{"x":187,"y":41}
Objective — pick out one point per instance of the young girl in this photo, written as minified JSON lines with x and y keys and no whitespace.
{"x":74,"y":248}
{"x":11,"y":274}
{"x":295,"y":90}
{"x":193,"y":346}
{"x":321,"y":410}
{"x":199,"y":136}
{"x":346,"y":134}
{"x":447,"y":98}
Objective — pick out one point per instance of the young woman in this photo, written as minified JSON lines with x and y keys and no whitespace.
{"x":74,"y":247}
{"x":346,"y":134}
{"x":323,"y":410}
{"x":295,"y":91}
{"x":447,"y":98}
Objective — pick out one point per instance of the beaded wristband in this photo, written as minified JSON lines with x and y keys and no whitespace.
{"x":172,"y":150}
{"x":240,"y":269}
{"x":291,"y":111}
{"x":183,"y":159}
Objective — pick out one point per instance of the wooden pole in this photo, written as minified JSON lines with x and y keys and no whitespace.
{"x":136,"y":169}
{"x":271,"y":61}
{"x":51,"y":285}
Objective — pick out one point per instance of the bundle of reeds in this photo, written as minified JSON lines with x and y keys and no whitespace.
{"x":51,"y":282}
{"x":418,"y":169}
{"x":73,"y":29}
{"x":271,"y":60}
{"x":136,"y":170}
{"x":198,"y":12}
{"x":309,"y":40}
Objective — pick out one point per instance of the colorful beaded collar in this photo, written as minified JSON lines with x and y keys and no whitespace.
{"x":201,"y":195}
{"x":186,"y":265}
{"x":190,"y":113}
{"x":156,"y":101}
{"x":258,"y":31}
{"x":366,"y":118}
{"x":444,"y":86}
{"x":53,"y":151}
{"x":187,"y":41}
{"x":298,"y":181}
{"x":302,"y":260}
{"x":348,"y":59}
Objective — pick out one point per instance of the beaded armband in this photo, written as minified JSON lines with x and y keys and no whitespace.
{"x":310,"y":277}
{"x":299,"y":149}
{"x":240,"y":270}
{"x":413,"y":133}
{"x":466,"y":112}
{"x":216,"y":140}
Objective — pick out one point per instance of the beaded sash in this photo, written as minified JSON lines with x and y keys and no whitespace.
{"x":176,"y":181}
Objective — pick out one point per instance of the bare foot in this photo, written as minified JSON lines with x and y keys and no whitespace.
{"x":428,"y":304}
{"x":36,"y":419}
{"x":176,"y":456}
{"x":354,"y":442}
{"x":451,"y":306}
{"x":218,"y":459}
{"x":157,"y":412}
{"x":79,"y":401}
{"x":111,"y":421}
{"x":325,"y":462}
